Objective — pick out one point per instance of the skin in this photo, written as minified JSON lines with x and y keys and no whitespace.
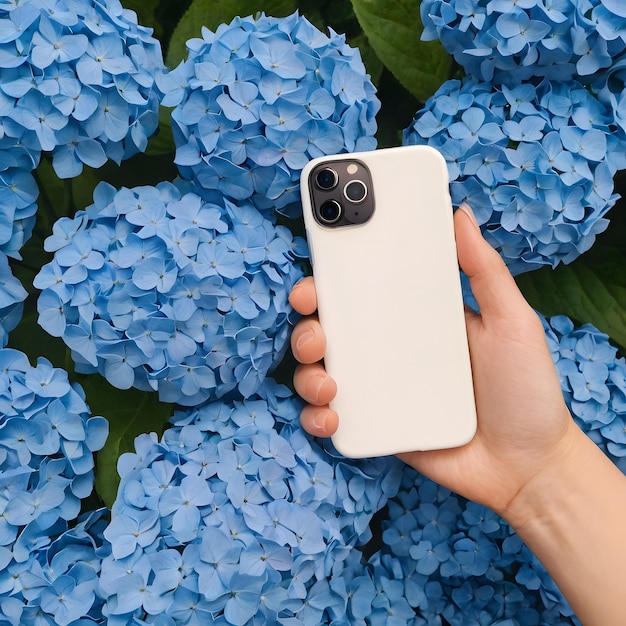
{"x":528,"y":462}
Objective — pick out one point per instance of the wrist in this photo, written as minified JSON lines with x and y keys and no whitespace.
{"x":566,"y":468}
{"x":571,"y":516}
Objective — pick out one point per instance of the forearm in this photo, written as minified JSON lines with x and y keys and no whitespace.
{"x":573,"y":518}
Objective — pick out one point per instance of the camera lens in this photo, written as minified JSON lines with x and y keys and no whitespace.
{"x":326,"y":179}
{"x":355,"y":191}
{"x":330,"y":212}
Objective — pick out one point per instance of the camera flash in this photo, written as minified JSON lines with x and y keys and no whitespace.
{"x":353,"y":168}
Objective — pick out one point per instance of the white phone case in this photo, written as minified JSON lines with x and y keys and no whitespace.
{"x":390,"y":303}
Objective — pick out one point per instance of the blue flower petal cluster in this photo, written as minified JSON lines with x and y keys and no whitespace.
{"x":77,"y":81}
{"x":155,"y":288}
{"x":18,"y":198}
{"x":56,"y":582}
{"x":12,"y":296}
{"x":593,"y":379}
{"x":535,"y":162}
{"x":445,"y":557}
{"x":611,"y":91}
{"x":257,"y":99}
{"x":235,"y":515}
{"x":507,"y":41}
{"x":47,"y":441}
{"x":515,"y":47}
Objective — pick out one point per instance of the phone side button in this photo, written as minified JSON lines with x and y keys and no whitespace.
{"x":310,"y":248}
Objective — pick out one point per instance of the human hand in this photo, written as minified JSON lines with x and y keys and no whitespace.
{"x":524,"y":427}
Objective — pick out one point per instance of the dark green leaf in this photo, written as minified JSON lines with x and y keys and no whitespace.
{"x":55,"y":198}
{"x":212,"y":13}
{"x":58,"y":198}
{"x":130,"y":413}
{"x":398,"y":107}
{"x":34,"y":341}
{"x":393,"y":28}
{"x":591,"y":289}
{"x":163,"y":141}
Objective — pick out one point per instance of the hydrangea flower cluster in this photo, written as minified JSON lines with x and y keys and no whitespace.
{"x":77,"y":81}
{"x":157,"y":289}
{"x":57,"y":583}
{"x":257,"y":99}
{"x":446,"y":558}
{"x":236,"y":514}
{"x":612,"y":93}
{"x":535,"y":163}
{"x":502,"y":41}
{"x":12,"y":296}
{"x":47,"y":441}
{"x":593,"y":379}
{"x":18,"y":195}
{"x":530,"y":53}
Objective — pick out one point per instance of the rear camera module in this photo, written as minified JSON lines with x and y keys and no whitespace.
{"x":326,"y":179}
{"x":330,"y":212}
{"x":355,"y":191}
{"x":341,"y":192}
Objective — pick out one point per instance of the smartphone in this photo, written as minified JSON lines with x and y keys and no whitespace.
{"x":381,"y":236}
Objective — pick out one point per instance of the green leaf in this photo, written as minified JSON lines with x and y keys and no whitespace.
{"x":163,"y":141}
{"x":34,"y":341}
{"x":591,"y":289}
{"x":212,"y":13}
{"x":130,"y":413}
{"x":58,"y":198}
{"x":393,"y":28}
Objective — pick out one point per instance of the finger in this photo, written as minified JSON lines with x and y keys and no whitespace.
{"x":319,"y":421}
{"x":492,"y":284}
{"x":314,"y":385}
{"x":303,"y":297}
{"x":308,"y":341}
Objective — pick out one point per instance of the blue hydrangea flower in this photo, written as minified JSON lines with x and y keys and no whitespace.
{"x":155,"y":288}
{"x":446,"y":557}
{"x":535,"y":162}
{"x":44,"y":427}
{"x":55,"y":582}
{"x":235,"y":512}
{"x":77,"y":81}
{"x":593,"y":379}
{"x":12,"y":296}
{"x":47,"y":442}
{"x":257,"y":99}
{"x":508,"y":41}
{"x":18,"y":198}
{"x":612,"y":92}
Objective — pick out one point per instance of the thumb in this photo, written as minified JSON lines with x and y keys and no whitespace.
{"x":493,"y":286}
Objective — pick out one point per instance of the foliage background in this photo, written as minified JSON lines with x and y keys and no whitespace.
{"x":406,"y":72}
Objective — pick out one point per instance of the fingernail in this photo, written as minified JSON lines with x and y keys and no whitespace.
{"x":314,"y":386}
{"x":294,"y":290}
{"x":468,"y":211}
{"x":320,"y":418}
{"x":307,"y":336}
